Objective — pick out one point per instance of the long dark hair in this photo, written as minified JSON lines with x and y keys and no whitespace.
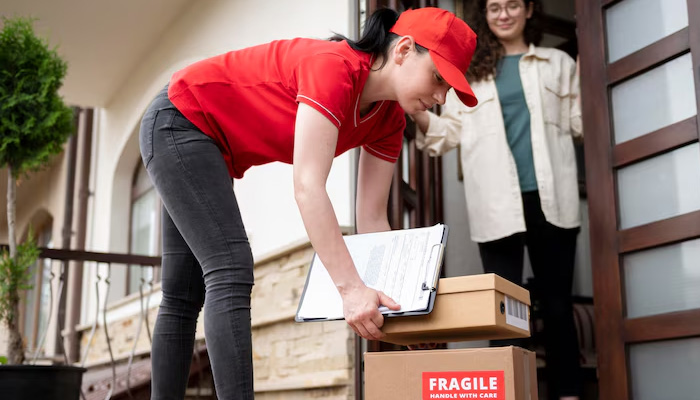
{"x":489,"y":50}
{"x":376,"y":38}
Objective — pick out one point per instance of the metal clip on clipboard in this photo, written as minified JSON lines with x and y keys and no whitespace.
{"x":425,"y":287}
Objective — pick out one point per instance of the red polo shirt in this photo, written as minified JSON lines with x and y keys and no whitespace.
{"x":247,"y":100}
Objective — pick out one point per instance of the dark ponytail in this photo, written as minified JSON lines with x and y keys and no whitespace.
{"x":376,"y":37}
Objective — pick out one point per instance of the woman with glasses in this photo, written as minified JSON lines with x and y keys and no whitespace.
{"x":519,"y":167}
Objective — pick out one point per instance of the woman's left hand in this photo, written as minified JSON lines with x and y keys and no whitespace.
{"x":361,"y":310}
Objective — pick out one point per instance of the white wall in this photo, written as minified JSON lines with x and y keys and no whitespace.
{"x":205,"y":29}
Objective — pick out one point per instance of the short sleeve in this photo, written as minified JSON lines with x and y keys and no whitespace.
{"x":388,"y":147}
{"x":326,"y":83}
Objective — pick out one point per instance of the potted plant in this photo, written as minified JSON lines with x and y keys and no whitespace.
{"x":34,"y":125}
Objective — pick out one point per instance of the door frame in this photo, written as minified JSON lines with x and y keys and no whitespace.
{"x":615,"y":332}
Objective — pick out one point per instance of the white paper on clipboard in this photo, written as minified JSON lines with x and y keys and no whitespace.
{"x":404,"y":264}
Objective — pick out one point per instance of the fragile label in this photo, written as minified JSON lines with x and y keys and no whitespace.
{"x":464,"y":385}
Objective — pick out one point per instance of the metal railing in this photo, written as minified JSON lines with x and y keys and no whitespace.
{"x":101,"y":278}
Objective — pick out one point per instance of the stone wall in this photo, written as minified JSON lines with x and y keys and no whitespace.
{"x":296,"y":360}
{"x":122,"y":334}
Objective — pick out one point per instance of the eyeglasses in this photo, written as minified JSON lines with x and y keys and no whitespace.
{"x":512,"y":8}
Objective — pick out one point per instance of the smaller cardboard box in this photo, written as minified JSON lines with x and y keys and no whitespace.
{"x":502,"y":373}
{"x":473,"y":307}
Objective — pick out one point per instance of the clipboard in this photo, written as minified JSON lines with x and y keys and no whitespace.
{"x":404,"y":264}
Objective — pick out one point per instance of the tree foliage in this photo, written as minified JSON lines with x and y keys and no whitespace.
{"x":15,"y":274}
{"x":34,"y":124}
{"x":34,"y":121}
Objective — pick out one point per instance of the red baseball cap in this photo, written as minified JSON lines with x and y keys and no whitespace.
{"x":450,"y":41}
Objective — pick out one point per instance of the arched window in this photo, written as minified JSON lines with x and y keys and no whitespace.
{"x":144,"y":228}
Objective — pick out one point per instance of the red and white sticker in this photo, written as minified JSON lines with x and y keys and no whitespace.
{"x":464,"y":385}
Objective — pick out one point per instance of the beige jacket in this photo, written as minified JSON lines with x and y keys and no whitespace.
{"x":494,"y":204}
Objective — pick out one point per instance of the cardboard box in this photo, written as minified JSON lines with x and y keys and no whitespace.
{"x":473,"y":307}
{"x":503,"y":373}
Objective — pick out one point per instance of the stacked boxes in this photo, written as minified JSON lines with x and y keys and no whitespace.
{"x":472,"y":307}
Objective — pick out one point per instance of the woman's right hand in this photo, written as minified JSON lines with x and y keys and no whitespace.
{"x":361,"y":310}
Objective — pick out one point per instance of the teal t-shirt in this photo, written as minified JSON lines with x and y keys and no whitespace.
{"x":516,"y":117}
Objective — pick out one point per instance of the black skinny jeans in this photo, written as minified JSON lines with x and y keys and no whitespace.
{"x":206,"y":258}
{"x":552,"y":252}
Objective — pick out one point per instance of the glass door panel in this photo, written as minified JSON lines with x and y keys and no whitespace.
{"x":663,"y":280}
{"x":665,"y":370}
{"x":634,"y":24}
{"x":654,"y":99}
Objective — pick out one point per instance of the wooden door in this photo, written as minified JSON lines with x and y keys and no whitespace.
{"x":640,"y":69}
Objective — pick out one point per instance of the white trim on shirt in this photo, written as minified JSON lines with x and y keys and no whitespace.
{"x":321,"y":105}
